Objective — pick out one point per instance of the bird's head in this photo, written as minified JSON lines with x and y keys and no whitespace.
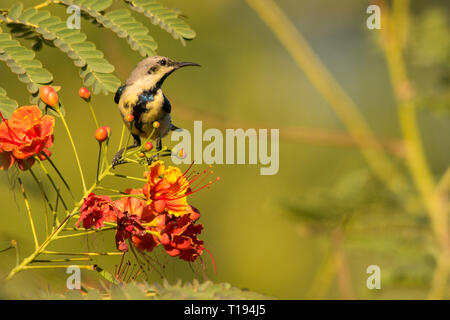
{"x":152,"y":71}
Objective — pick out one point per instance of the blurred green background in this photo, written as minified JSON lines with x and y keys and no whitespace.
{"x":275,"y":234}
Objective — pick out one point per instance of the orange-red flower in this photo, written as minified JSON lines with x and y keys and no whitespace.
{"x":25,"y":135}
{"x":95,"y":211}
{"x":179,"y":237}
{"x":128,"y":226}
{"x":166,"y":189}
{"x":139,"y":208}
{"x":134,"y":205}
{"x":165,"y":217}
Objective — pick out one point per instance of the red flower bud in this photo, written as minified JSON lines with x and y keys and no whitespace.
{"x":44,"y":91}
{"x":129,"y":117}
{"x":148,"y":146}
{"x":84,"y":94}
{"x":101,"y":134}
{"x":49,"y":96}
{"x":53,"y":99}
{"x":156,"y":124}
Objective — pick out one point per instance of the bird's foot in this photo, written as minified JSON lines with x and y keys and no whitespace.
{"x":117,"y":158}
{"x":152,"y":159}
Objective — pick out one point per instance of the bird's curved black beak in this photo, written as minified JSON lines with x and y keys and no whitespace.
{"x":179,"y":65}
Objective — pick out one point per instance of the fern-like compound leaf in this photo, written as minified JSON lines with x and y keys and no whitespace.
{"x":95,"y":69}
{"x":168,"y":19}
{"x":22,"y":62}
{"x":7,"y":105}
{"x":121,"y":22}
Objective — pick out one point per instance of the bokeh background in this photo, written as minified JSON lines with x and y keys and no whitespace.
{"x":309,"y":231}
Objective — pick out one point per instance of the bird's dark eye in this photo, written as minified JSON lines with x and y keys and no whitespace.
{"x":162,"y":62}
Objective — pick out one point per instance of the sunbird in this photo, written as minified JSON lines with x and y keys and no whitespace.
{"x":142,"y":98}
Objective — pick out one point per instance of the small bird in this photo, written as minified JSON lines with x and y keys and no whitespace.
{"x":142,"y":101}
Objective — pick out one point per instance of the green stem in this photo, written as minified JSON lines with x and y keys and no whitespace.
{"x":346,"y":109}
{"x":90,"y":254}
{"x":122,"y":136}
{"x":83,"y":233}
{"x":16,"y":247}
{"x":138,"y":196}
{"x":126,"y":145}
{"x":52,"y":182}
{"x":443,"y":185}
{"x":105,"y":156}
{"x":30,"y":217}
{"x":127,"y":177}
{"x":44,"y":198}
{"x":110,"y":189}
{"x":93,"y":114}
{"x":416,"y":159}
{"x":45,"y":4}
{"x":24,"y":264}
{"x":98,"y":160}
{"x":89,"y":267}
{"x":60,"y":260}
{"x":73,"y":147}
{"x":55,"y":213}
{"x":58,"y":172}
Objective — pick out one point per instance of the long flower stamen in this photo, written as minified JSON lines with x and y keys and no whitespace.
{"x":195,"y":188}
{"x":212,"y":259}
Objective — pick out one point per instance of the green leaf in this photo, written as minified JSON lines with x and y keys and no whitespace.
{"x":120,"y":22}
{"x":70,"y":41}
{"x":22,"y":62}
{"x":168,"y":19}
{"x":202,"y":291}
{"x":96,"y":5}
{"x":194,"y":290}
{"x":15,"y":10}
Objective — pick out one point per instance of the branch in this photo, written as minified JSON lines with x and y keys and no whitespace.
{"x":333,"y":93}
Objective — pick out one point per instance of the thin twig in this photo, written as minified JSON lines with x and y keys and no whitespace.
{"x":82,"y":253}
{"x":80,"y":169}
{"x":416,"y":159}
{"x":44,"y":198}
{"x":30,"y":217}
{"x":330,"y":89}
{"x":52,"y":182}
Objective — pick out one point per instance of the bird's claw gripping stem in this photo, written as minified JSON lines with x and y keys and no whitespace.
{"x":117,"y":158}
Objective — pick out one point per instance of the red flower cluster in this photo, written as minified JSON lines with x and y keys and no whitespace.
{"x":24,"y":136}
{"x":128,"y":226}
{"x":95,"y":211}
{"x":162,"y":217}
{"x":179,"y":237}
